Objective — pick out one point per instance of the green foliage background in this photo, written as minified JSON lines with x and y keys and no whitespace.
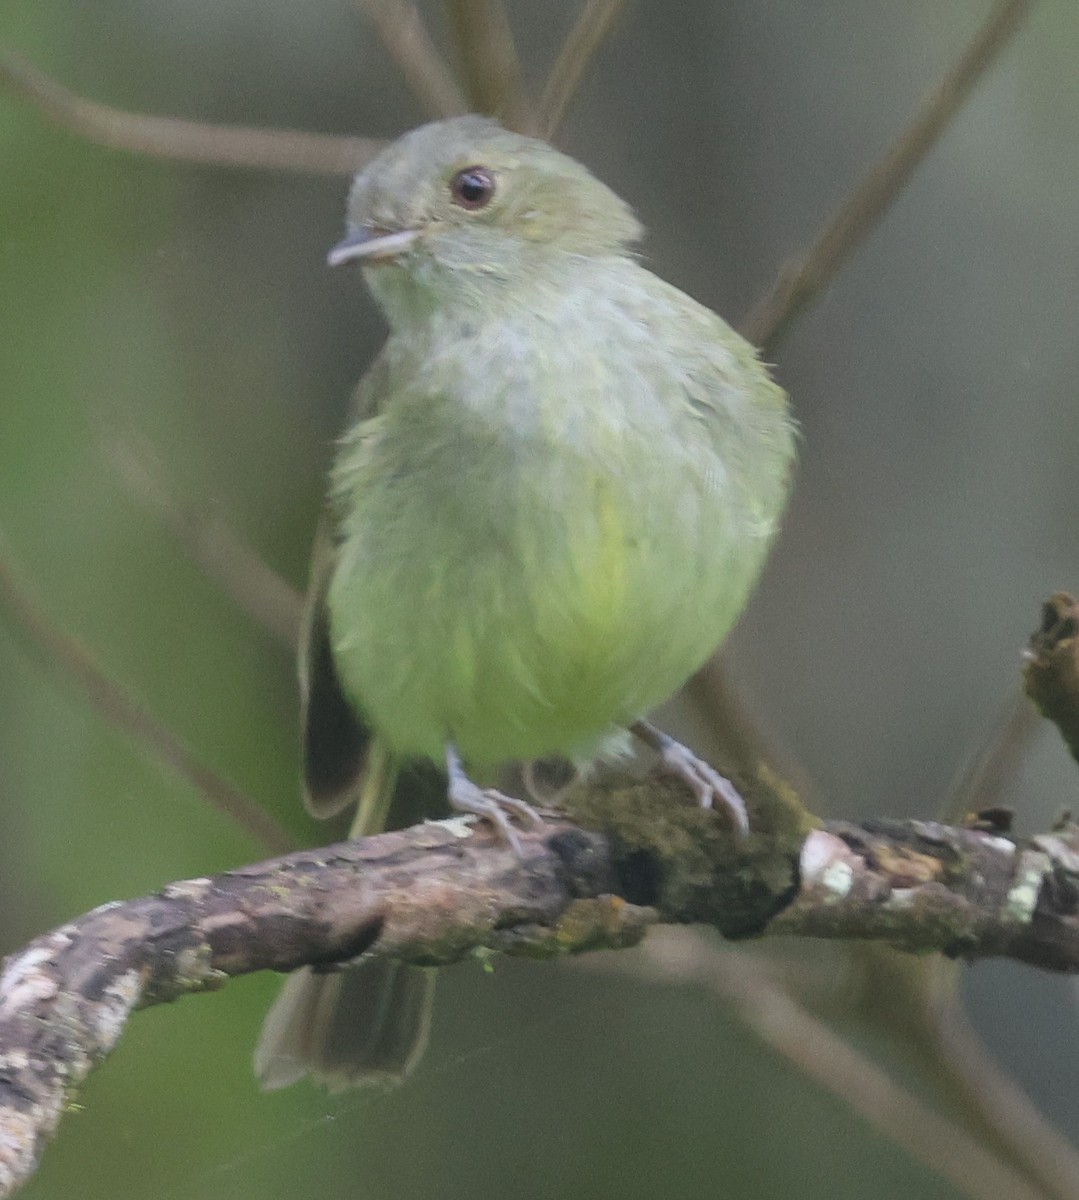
{"x":189,"y":307}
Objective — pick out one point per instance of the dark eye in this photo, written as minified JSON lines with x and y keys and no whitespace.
{"x":472,"y":188}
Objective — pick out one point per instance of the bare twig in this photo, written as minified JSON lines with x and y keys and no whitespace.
{"x":984,"y":781}
{"x":120,"y":708}
{"x":740,"y":744}
{"x":593,"y":24}
{"x":1052,"y":667}
{"x":404,"y":36}
{"x":436,"y":892}
{"x":800,"y":282}
{"x":994,"y":1103}
{"x":215,"y":547}
{"x":917,"y":1003}
{"x":492,"y":72}
{"x":788,"y":1029}
{"x":189,"y":141}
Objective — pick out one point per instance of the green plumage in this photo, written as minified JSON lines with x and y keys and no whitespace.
{"x":543,"y":533}
{"x":562,"y":484}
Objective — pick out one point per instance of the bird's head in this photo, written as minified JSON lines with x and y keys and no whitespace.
{"x":460,"y":201}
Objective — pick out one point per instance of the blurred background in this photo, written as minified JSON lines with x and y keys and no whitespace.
{"x":183,"y":315}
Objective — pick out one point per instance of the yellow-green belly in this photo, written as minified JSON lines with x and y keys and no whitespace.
{"x":524,"y":608}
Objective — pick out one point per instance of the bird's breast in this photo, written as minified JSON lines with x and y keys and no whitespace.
{"x":520,"y":593}
{"x":544,"y":534}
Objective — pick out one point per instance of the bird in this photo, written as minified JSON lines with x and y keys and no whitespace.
{"x":560,"y":484}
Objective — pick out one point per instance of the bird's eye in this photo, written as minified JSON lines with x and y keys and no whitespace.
{"x":472,"y":188}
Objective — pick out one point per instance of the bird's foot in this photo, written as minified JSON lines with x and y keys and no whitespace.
{"x":704,"y":781}
{"x":488,"y":803}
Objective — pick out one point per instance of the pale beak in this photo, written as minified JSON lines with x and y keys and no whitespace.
{"x":371,"y":245}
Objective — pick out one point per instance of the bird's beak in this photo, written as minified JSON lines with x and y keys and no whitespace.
{"x":371,"y":245}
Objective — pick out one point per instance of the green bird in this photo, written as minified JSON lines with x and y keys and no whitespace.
{"x":561,"y":485}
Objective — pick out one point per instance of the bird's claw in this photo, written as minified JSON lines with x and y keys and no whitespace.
{"x":705,"y":782}
{"x":497,"y":808}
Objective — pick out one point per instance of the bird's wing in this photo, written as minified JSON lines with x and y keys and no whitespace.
{"x":344,"y":761}
{"x":335,"y":741}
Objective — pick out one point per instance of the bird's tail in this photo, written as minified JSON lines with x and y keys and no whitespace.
{"x":365,"y":1024}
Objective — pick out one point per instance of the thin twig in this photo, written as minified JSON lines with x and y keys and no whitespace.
{"x":125,"y":711}
{"x":993,"y":1103}
{"x":405,"y":38}
{"x":800,"y":282}
{"x":913,"y":1005}
{"x":916,"y":1002}
{"x":215,"y":547}
{"x":1051,"y":672}
{"x":188,"y":141}
{"x":984,"y":781}
{"x":488,"y":56}
{"x":800,"y":1039}
{"x":740,"y":745}
{"x":584,"y":39}
{"x":919,"y":1001}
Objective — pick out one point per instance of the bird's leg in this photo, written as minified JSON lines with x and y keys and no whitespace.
{"x":704,"y":781}
{"x":466,"y":796}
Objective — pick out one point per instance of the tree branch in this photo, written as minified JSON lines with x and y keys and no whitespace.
{"x":920,"y":886}
{"x":988,"y":1100}
{"x":1051,"y":672}
{"x":984,"y":780}
{"x":405,"y":39}
{"x":632,"y":855}
{"x":802,"y":1040}
{"x":128,"y":713}
{"x":741,"y":743}
{"x":213,"y":546}
{"x":800,"y":282}
{"x":488,"y":56}
{"x":593,"y":24}
{"x":188,"y":141}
